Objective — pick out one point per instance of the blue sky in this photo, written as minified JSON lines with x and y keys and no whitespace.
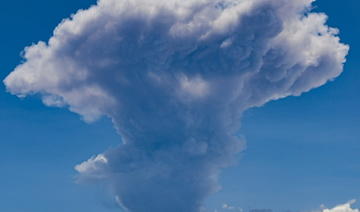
{"x":301,"y":151}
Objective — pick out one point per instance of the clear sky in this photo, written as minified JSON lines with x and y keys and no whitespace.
{"x":301,"y":151}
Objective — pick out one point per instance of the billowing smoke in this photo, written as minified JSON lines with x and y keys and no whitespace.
{"x":175,"y":76}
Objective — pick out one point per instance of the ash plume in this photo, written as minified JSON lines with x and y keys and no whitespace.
{"x":175,"y":76}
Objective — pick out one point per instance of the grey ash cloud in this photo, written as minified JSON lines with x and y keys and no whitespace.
{"x":175,"y":76}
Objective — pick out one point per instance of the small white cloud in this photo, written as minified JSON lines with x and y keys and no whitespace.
{"x":93,"y":167}
{"x":343,"y":208}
